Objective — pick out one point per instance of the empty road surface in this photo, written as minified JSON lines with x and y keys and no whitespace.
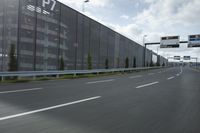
{"x":155,"y":101}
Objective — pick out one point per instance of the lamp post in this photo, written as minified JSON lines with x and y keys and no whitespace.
{"x":144,"y":56}
{"x":83,"y":6}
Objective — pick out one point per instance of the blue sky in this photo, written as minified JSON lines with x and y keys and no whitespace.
{"x":154,"y":18}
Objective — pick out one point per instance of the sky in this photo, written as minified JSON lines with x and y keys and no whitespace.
{"x":154,"y":18}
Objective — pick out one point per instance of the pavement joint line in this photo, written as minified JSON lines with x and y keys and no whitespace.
{"x":170,"y":78}
{"x":48,"y":108}
{"x":100,"y":81}
{"x":22,"y":90}
{"x":145,"y":85}
{"x":137,"y":76}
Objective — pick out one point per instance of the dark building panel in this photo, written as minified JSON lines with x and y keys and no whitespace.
{"x":103,"y":47}
{"x":47,"y":42}
{"x":122,"y":52}
{"x":9,"y":20}
{"x":69,"y":19}
{"x":95,"y":43}
{"x":86,"y":41}
{"x":80,"y":43}
{"x":26,"y":35}
{"x":116,"y":52}
{"x":1,"y":33}
{"x":111,"y":48}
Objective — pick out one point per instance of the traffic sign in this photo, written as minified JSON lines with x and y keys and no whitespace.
{"x":186,"y":57}
{"x":177,"y":58}
{"x":194,"y":41}
{"x":169,"y":42}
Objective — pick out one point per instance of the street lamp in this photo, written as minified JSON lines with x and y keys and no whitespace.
{"x":144,"y":56}
{"x":83,"y":7}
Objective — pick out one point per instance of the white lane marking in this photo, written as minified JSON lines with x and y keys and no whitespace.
{"x":151,"y":73}
{"x":100,"y":81}
{"x":177,"y":74}
{"x":147,"y":84}
{"x":137,"y":76}
{"x":170,"y":78}
{"x":48,"y":108}
{"x":23,"y":90}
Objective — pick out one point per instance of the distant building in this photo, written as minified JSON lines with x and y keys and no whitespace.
{"x":43,"y":31}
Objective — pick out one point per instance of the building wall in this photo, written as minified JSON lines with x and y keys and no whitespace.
{"x":43,"y":36}
{"x":8,"y":30}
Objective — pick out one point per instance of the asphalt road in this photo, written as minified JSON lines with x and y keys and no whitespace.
{"x":154,"y":101}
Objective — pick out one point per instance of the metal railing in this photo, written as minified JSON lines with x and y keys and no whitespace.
{"x":34,"y":74}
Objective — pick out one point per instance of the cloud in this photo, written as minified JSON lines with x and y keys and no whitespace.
{"x":77,"y":4}
{"x":166,"y":14}
{"x":124,"y":16}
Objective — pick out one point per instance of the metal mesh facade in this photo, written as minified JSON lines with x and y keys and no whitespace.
{"x":43,"y":33}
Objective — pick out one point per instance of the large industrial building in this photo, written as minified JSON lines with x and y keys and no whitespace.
{"x":44,"y":31}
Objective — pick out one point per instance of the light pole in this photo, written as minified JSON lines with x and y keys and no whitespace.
{"x":83,"y":6}
{"x":144,"y":56}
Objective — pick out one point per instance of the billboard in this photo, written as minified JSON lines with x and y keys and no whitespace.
{"x":177,"y":58}
{"x":186,"y":57}
{"x":194,"y":41}
{"x":169,"y":42}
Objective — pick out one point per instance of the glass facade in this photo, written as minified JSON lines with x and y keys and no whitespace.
{"x":44,"y":32}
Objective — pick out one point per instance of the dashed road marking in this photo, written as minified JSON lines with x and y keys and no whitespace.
{"x":141,"y":86}
{"x":100,"y":81}
{"x":23,"y":90}
{"x":137,"y":76}
{"x":170,"y":78}
{"x":48,"y":108}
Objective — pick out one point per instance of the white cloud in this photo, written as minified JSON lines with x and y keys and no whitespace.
{"x":77,"y":4}
{"x":124,"y":16}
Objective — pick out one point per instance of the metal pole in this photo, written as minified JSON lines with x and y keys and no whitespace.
{"x":144,"y":44}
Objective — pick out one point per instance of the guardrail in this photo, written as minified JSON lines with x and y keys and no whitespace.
{"x":35,"y":74}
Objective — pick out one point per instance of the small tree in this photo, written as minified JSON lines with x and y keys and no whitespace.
{"x":12,"y":60}
{"x":158,"y":63}
{"x":89,"y":61}
{"x":62,"y":64}
{"x":134,"y":62}
{"x":127,"y":63}
{"x":147,"y":64}
{"x":106,"y":64}
{"x":117,"y":62}
{"x":163,"y":64}
{"x":151,"y":64}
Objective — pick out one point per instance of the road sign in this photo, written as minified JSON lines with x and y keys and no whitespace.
{"x":169,"y":42}
{"x":194,"y":41}
{"x":186,"y":57}
{"x":177,"y":58}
